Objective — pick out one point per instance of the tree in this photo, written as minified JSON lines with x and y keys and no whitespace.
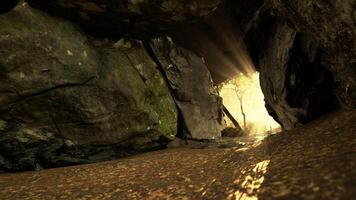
{"x":240,"y":85}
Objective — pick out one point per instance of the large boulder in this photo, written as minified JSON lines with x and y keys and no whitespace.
{"x":305,"y":53}
{"x":138,"y":18}
{"x":59,"y":90}
{"x":296,"y":86}
{"x":190,"y":80}
{"x":332,"y":25}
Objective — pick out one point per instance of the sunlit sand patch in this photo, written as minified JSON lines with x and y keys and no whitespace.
{"x":251,"y":183}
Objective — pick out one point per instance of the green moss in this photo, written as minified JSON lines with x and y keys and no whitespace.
{"x":149,"y":113}
{"x":157,"y":95}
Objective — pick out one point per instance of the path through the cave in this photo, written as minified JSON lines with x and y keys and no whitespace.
{"x":315,"y":161}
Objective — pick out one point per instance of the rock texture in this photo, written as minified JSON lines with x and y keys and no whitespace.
{"x":232,"y":132}
{"x":191,"y":82}
{"x":305,"y":53}
{"x":302,"y":77}
{"x":332,"y":25}
{"x":65,"y":99}
{"x":296,"y":86}
{"x":134,"y":17}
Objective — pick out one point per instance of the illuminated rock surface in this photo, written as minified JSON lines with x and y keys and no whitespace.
{"x":191,"y":83}
{"x":314,"y":161}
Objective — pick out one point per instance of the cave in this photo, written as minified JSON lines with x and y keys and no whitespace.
{"x":177,"y":99}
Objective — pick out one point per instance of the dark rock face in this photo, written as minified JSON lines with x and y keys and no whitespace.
{"x":191,"y":82}
{"x":64,"y":100}
{"x":332,"y":25}
{"x":135,"y":17}
{"x":259,"y":33}
{"x":31,"y":148}
{"x":295,"y":84}
{"x":7,"y":5}
{"x":232,"y":132}
{"x":305,"y":53}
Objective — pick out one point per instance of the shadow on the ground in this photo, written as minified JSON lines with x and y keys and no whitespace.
{"x":315,"y":161}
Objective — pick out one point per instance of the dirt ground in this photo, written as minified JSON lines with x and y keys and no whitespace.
{"x":315,"y":161}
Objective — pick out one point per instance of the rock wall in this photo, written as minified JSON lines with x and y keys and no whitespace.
{"x":139,"y":18}
{"x":66,"y":98}
{"x":192,"y":86}
{"x":305,"y":57}
{"x":332,"y":25}
{"x":297,"y":71}
{"x":296,"y":86}
{"x":304,"y":51}
{"x":69,"y":98}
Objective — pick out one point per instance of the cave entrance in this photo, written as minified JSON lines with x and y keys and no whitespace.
{"x":243,"y":97}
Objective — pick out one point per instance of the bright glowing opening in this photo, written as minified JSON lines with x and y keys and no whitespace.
{"x":243,"y":97}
